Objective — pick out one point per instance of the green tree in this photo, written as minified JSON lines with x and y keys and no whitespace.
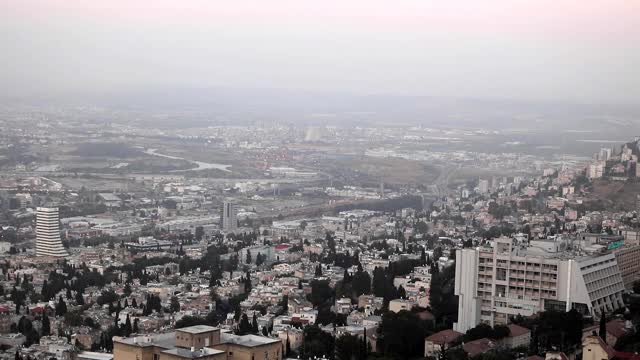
{"x":79,"y":298}
{"x":259,"y":259}
{"x":61,"y":307}
{"x":402,"y":334}
{"x":603,"y":327}
{"x":244,"y":327}
{"x":317,"y":343}
{"x":199,"y":233}
{"x":321,"y":292}
{"x":174,"y":305}
{"x":254,"y":324}
{"x":46,"y":325}
{"x":128,"y":329}
{"x":361,"y":283}
{"x":347,"y":347}
{"x":422,"y":227}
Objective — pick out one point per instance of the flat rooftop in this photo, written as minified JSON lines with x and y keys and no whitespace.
{"x":197,"y":329}
{"x":246,"y":340}
{"x":164,"y":340}
{"x":187,"y":353}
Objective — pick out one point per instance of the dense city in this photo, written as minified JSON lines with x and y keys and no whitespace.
{"x":317,"y":263}
{"x":319,"y":180}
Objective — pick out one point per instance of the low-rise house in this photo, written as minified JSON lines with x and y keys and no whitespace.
{"x":477,"y":347}
{"x":616,"y":328}
{"x":398,"y":305}
{"x":294,"y":336}
{"x":594,"y":348}
{"x":518,"y":337}
{"x":441,"y":341}
{"x":370,"y":303}
{"x":343,"y":306}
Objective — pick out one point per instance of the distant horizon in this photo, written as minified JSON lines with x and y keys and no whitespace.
{"x":83,"y":96}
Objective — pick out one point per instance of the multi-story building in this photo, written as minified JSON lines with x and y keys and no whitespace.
{"x":628,"y":258}
{"x":229,"y":216}
{"x":441,"y":341}
{"x":631,"y":237}
{"x":48,"y":242}
{"x":197,"y":342}
{"x":595,"y":170}
{"x":483,"y":186}
{"x":512,"y":278}
{"x":605,"y":154}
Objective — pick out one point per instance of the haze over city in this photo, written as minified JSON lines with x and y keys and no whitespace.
{"x":518,"y":50}
{"x":341,"y":180}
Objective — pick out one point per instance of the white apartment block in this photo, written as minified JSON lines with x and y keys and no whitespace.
{"x":510,"y":278}
{"x":595,"y":170}
{"x":483,"y":186}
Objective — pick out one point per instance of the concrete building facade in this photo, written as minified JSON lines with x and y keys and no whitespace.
{"x":197,"y":342}
{"x":229,"y":217}
{"x":498,"y":282}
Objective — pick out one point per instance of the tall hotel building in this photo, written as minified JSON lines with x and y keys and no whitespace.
{"x":48,"y":242}
{"x":511,"y":278}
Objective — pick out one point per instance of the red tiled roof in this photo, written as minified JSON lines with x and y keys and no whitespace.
{"x":619,"y":355}
{"x":616,"y":328}
{"x":517,"y":330}
{"x":444,"y":336}
{"x":479,"y":346}
{"x":426,"y":315}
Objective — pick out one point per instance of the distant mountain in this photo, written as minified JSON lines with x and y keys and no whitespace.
{"x":313,"y":107}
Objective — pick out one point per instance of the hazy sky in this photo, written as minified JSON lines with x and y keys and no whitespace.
{"x":576,"y":50}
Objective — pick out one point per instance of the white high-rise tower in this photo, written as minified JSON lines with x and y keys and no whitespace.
{"x":48,"y":242}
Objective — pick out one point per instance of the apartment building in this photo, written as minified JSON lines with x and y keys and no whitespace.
{"x":197,"y":342}
{"x":628,"y":258}
{"x":595,"y":170}
{"x":512,"y":278}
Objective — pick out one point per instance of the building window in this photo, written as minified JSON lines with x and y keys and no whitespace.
{"x":156,"y":357}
